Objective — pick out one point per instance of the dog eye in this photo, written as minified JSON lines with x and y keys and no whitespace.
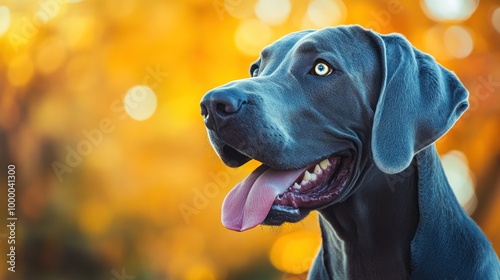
{"x":322,"y":69}
{"x":255,"y":72}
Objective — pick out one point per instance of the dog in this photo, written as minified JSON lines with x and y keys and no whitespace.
{"x":344,"y":121}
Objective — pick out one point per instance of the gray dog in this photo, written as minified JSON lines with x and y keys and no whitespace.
{"x":344,"y":121}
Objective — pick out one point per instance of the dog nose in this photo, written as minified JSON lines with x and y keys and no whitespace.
{"x":220,"y":104}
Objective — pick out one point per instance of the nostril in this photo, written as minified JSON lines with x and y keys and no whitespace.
{"x":228,"y":107}
{"x":204,"y":110}
{"x":221,"y":109}
{"x":218,"y":105}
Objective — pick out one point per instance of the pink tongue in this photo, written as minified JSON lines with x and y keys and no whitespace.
{"x":248,"y":204}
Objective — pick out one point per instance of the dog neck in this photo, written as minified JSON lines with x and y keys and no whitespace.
{"x":368,"y":235}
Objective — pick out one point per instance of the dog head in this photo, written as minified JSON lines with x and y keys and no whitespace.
{"x":318,"y":108}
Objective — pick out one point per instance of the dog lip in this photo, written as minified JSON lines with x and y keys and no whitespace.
{"x":281,"y":213}
{"x":232,"y":157}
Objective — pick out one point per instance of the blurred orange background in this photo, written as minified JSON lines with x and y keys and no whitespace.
{"x":115,"y":178}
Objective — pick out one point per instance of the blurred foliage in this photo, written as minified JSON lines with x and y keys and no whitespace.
{"x":101,"y":195}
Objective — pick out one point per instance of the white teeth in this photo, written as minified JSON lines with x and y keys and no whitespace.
{"x":324,"y":164}
{"x":314,"y":177}
{"x":307,"y":176}
{"x":317,"y":170}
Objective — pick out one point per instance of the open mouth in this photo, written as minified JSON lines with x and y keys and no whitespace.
{"x":315,"y":188}
{"x":272,"y":196}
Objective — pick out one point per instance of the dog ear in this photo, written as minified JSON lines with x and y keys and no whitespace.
{"x":419,"y":102}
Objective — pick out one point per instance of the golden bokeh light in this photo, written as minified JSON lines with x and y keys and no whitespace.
{"x":252,"y":35}
{"x":79,"y":32}
{"x":234,"y":8}
{"x":457,"y":171}
{"x":273,"y":12}
{"x":449,"y":42}
{"x":110,"y":91}
{"x":495,"y":19}
{"x":458,"y":41}
{"x":4,"y":19}
{"x":294,"y":252}
{"x":449,"y":10}
{"x":323,"y":13}
{"x":140,"y":103}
